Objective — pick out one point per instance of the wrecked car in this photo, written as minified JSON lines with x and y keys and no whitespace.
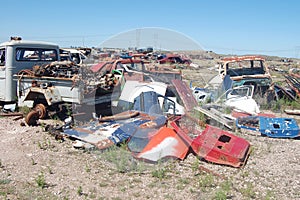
{"x":173,"y":59}
{"x":73,"y":55}
{"x":247,"y":70}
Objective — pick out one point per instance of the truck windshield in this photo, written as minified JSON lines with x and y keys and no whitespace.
{"x":245,"y":67}
{"x":36,"y":54}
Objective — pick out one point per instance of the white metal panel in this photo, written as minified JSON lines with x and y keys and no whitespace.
{"x":133,"y":89}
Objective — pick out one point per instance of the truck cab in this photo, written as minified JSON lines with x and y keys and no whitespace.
{"x":18,"y":54}
{"x":247,"y":70}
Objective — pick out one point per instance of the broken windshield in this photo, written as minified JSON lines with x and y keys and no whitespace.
{"x":35,"y":54}
{"x":245,"y":67}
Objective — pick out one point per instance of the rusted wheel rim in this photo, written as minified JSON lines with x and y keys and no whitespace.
{"x":41,"y":109}
{"x":32,"y":117}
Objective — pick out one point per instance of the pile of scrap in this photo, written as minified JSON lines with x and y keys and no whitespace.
{"x":289,"y":88}
{"x":155,"y":117}
{"x":225,"y":97}
{"x":229,"y":101}
{"x":152,"y":134}
{"x":149,"y":138}
{"x":50,"y":88}
{"x":116,"y":129}
{"x":293,"y":81}
{"x":65,"y":69}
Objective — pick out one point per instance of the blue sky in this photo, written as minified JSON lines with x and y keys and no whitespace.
{"x":231,"y":27}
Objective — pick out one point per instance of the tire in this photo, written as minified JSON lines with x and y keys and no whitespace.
{"x":32,"y":118}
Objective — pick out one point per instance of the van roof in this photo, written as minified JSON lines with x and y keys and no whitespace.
{"x":27,"y":43}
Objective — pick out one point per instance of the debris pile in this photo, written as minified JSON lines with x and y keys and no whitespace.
{"x":65,"y":69}
{"x":153,"y":111}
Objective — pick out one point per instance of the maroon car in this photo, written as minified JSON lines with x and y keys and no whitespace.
{"x":174,"y":59}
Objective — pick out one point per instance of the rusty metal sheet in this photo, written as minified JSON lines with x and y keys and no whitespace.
{"x":282,"y":92}
{"x":185,"y":94}
{"x":240,"y":58}
{"x":107,"y":65}
{"x":237,"y":114}
{"x":293,"y":83}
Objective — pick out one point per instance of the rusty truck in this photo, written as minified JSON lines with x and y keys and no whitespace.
{"x":18,"y":54}
{"x":247,"y":70}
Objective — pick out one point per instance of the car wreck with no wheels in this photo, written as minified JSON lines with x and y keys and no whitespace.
{"x":247,"y":70}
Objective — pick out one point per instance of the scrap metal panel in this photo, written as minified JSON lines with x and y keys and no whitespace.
{"x":271,"y":127}
{"x":185,"y":94}
{"x":219,"y":146}
{"x":166,"y":143}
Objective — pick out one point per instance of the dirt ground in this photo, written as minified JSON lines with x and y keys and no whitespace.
{"x":34,"y":165}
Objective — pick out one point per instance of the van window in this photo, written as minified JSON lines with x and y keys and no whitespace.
{"x":36,"y":54}
{"x":2,"y":57}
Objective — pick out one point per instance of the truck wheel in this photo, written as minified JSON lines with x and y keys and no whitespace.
{"x":32,"y":118}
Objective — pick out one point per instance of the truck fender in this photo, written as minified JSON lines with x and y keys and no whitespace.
{"x":50,"y":94}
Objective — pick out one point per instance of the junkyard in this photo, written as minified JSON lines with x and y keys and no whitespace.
{"x":123,"y":124}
